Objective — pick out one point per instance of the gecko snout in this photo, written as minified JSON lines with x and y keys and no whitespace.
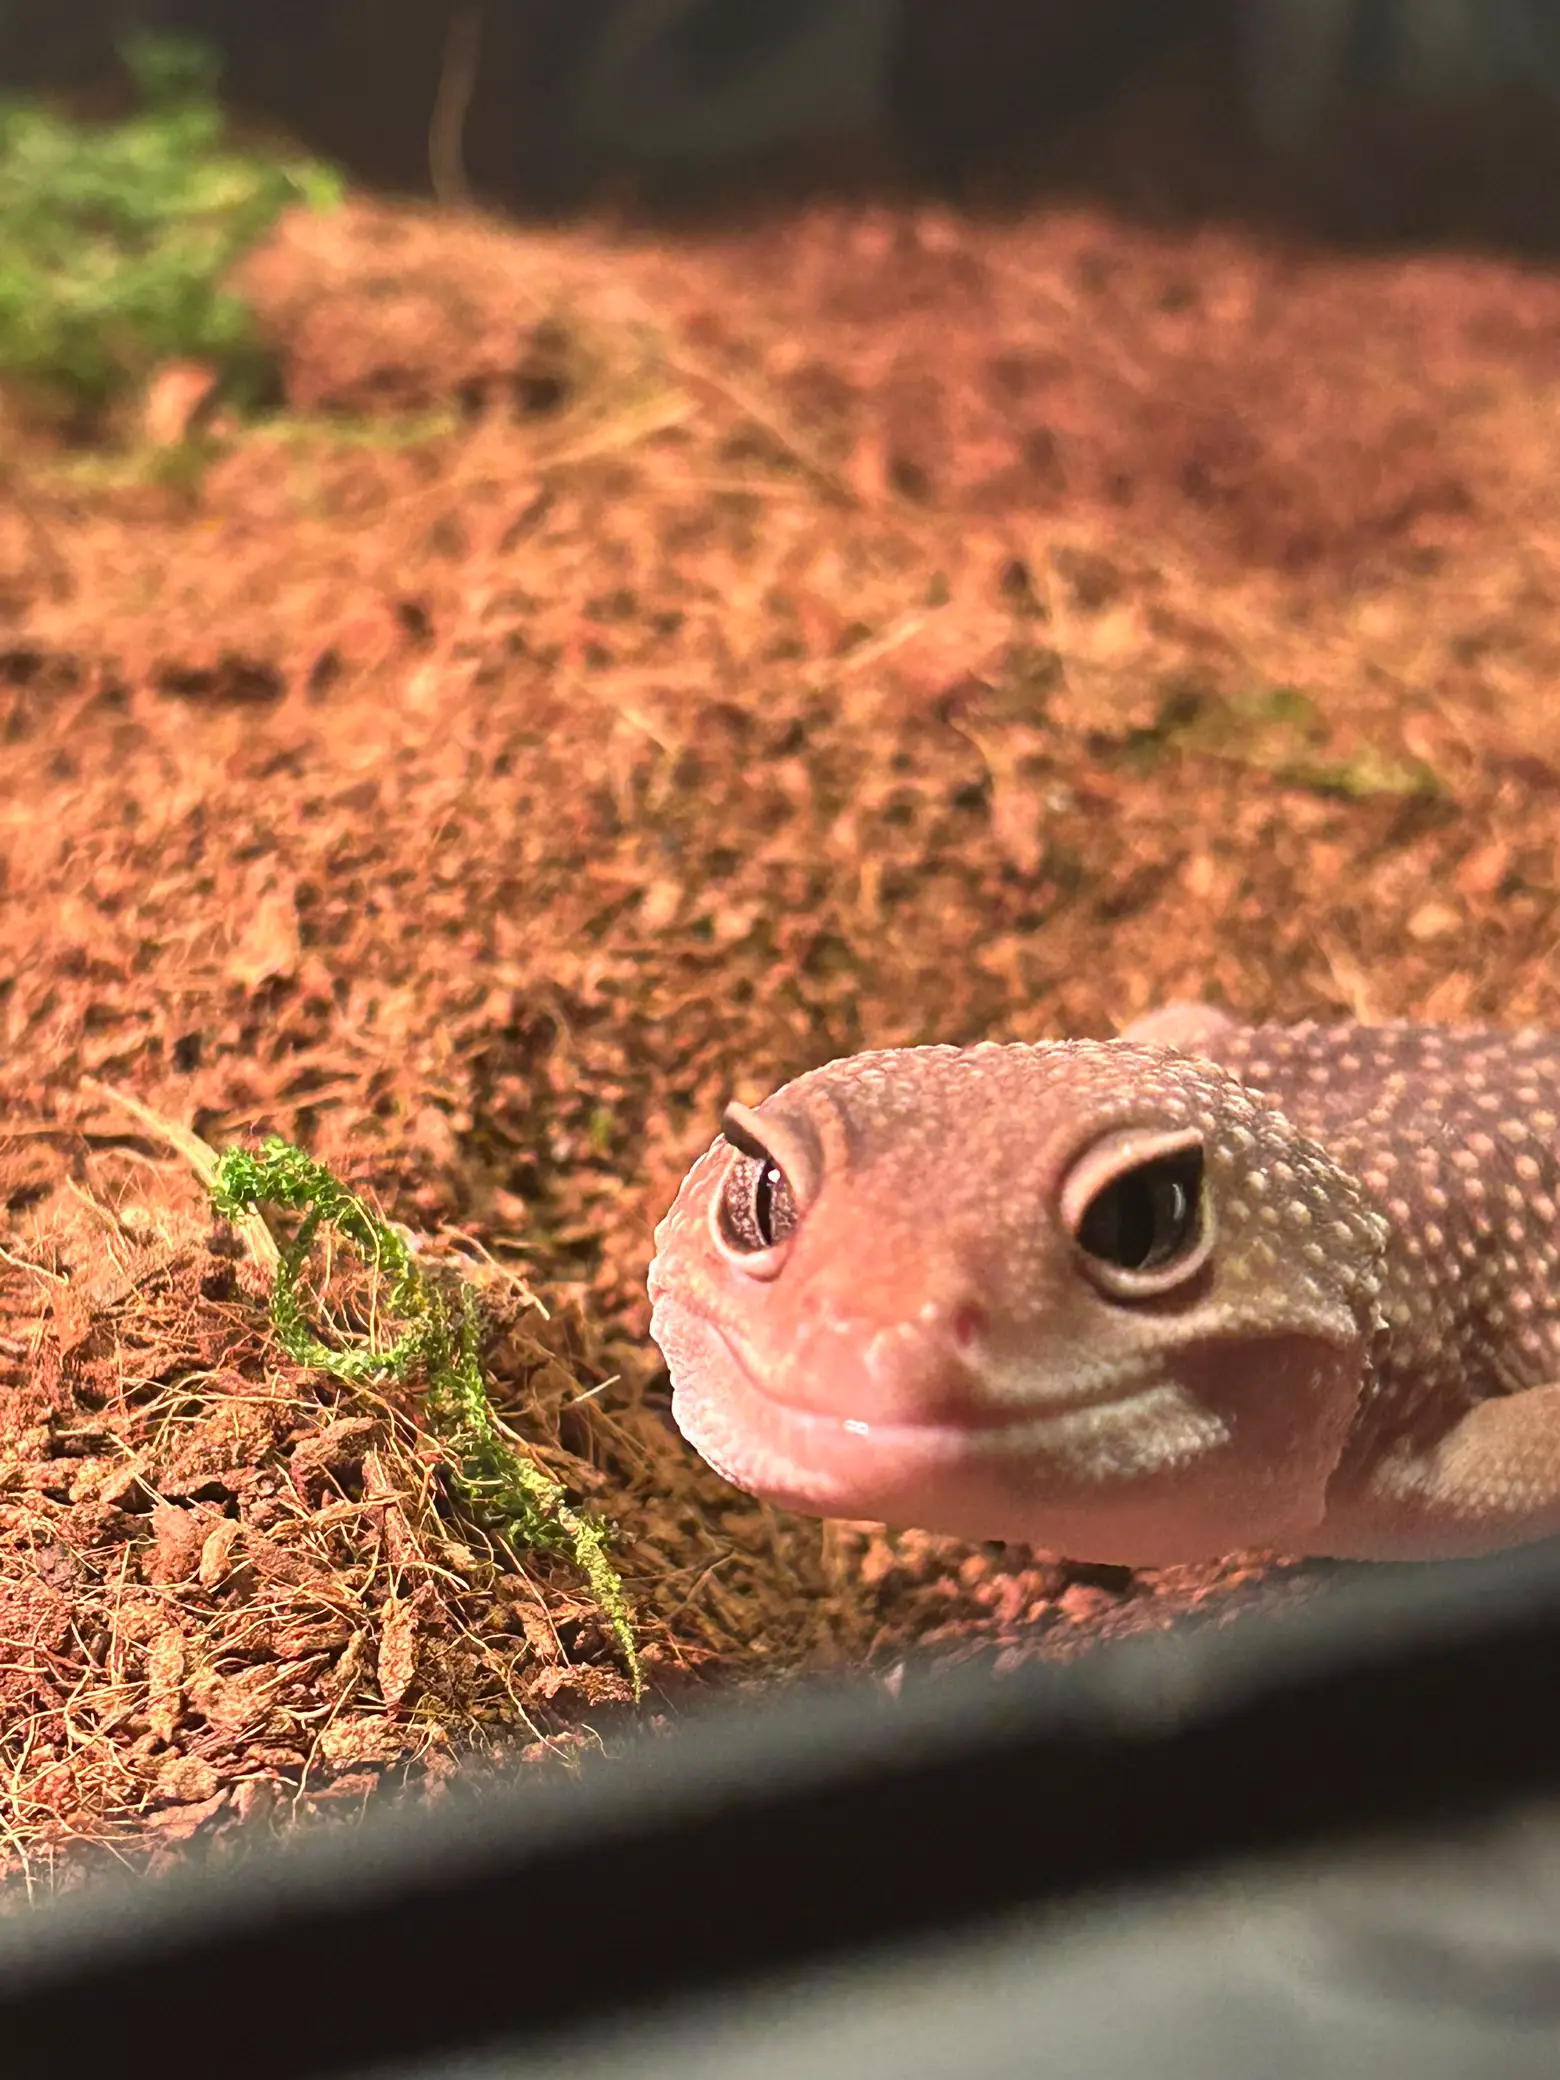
{"x":928,"y":1366}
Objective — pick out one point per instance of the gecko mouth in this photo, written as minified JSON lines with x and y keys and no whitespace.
{"x":982,"y":1480}
{"x":990,"y":1428}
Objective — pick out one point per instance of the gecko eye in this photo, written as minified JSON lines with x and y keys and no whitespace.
{"x":759,"y":1206}
{"x":1139,"y":1222}
{"x":1135,"y":1207}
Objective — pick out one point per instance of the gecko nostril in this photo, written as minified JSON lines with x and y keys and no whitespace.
{"x":968,"y":1325}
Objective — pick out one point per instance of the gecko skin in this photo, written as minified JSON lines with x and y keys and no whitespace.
{"x":1147,"y":1300}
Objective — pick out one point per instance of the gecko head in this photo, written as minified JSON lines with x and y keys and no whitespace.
{"x":1090,"y":1294}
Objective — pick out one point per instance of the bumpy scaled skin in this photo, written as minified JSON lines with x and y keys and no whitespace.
{"x":1152,"y":1299}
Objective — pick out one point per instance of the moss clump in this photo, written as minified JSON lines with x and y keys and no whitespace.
{"x":117,"y":240}
{"x":439,"y":1342}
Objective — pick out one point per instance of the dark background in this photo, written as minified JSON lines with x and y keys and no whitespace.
{"x":1149,"y":103}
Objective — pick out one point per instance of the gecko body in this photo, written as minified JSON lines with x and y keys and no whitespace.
{"x":1147,"y":1300}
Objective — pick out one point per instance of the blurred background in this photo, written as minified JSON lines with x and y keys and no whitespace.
{"x":1374,"y":118}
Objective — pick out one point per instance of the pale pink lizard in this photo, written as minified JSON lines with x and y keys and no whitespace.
{"x":1153,"y":1299}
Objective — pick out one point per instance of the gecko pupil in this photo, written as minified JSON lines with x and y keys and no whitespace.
{"x":767,"y":1189}
{"x":1148,"y":1216}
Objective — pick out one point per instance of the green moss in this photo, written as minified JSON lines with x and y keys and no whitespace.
{"x":116,"y":240}
{"x":439,"y":1341}
{"x":1277,"y":730}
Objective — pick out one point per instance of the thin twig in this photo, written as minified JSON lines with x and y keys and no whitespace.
{"x":202,"y":1159}
{"x":452,"y":104}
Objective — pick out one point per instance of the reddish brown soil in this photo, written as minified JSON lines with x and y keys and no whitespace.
{"x":629,"y":676}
